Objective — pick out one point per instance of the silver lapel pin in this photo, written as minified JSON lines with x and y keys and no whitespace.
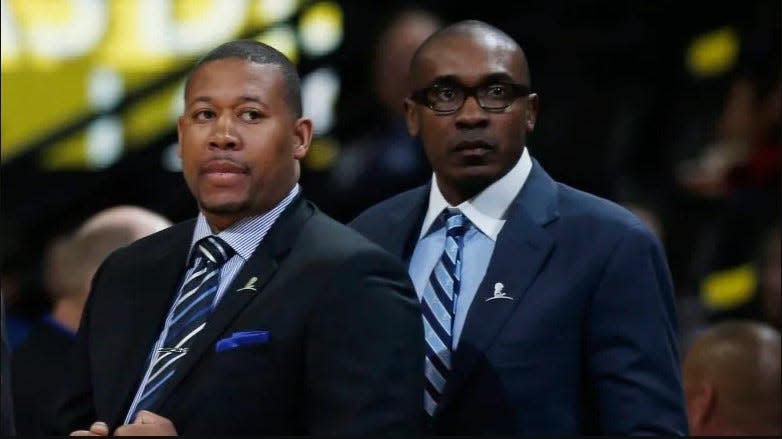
{"x":498,"y":293}
{"x":250,"y":286}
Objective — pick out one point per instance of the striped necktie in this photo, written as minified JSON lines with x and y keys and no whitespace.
{"x":437,"y":305}
{"x":187,"y":316}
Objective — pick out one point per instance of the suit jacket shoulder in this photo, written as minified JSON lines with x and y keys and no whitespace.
{"x":395,"y":222}
{"x":333,"y":240}
{"x":416,"y":197}
{"x":584,"y":211}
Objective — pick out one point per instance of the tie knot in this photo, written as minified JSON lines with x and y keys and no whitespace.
{"x":215,"y":250}
{"x":455,"y":223}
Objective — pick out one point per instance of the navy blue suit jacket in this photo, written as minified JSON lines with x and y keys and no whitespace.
{"x":588,"y":343}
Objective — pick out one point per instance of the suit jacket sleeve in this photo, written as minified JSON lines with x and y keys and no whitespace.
{"x":365,"y":353}
{"x":632,"y":344}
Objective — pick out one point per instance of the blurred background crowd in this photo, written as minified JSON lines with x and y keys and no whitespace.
{"x":670,"y":108}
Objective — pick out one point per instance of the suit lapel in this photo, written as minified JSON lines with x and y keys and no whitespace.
{"x":263,"y":264}
{"x":146,"y":305}
{"x":520,"y":252}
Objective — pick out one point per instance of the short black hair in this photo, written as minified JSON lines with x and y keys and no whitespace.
{"x":260,"y":53}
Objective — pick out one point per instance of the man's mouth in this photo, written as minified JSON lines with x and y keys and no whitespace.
{"x":473,"y":148}
{"x":223,"y":172}
{"x":223,"y":167}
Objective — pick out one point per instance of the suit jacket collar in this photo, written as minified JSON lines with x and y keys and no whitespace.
{"x":245,"y":235}
{"x":537,"y":201}
{"x":487,"y":210}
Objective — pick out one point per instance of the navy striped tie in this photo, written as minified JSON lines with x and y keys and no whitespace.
{"x":187,"y":316}
{"x":438,"y":310}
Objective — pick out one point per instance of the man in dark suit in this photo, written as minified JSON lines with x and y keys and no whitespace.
{"x":70,"y":264}
{"x":314,"y":329}
{"x":547,"y":311}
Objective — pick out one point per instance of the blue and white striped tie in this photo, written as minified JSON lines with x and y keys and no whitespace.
{"x":187,"y":317}
{"x":437,"y":305}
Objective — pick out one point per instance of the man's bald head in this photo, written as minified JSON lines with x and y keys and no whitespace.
{"x":74,"y":259}
{"x":732,"y":380}
{"x":137,"y":221}
{"x":477,"y":31}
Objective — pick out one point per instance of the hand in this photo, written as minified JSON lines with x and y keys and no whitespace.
{"x":96,"y":429}
{"x":147,"y":424}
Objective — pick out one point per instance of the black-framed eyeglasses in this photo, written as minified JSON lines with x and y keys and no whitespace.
{"x":449,"y":98}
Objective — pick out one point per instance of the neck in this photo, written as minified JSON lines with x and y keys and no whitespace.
{"x":68,"y":313}
{"x":218,"y":223}
{"x":457,"y":193}
{"x":221,"y":220}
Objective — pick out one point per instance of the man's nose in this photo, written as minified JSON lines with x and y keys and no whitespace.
{"x":224,"y":135}
{"x":471,"y":115}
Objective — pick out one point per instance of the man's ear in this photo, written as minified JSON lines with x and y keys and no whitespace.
{"x":702,"y":407}
{"x":532,"y":112}
{"x":179,"y":128}
{"x":411,"y":116}
{"x":302,"y":137}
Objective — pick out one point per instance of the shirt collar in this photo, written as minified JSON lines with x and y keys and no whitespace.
{"x":488,"y":209}
{"x":244,"y":235}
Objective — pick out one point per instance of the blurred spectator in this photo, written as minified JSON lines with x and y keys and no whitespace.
{"x":7,"y":427}
{"x":729,"y":191}
{"x":733,"y":238}
{"x":71,"y":262}
{"x":746,"y":147}
{"x":750,"y":290}
{"x":383,"y":160}
{"x":732,"y":380}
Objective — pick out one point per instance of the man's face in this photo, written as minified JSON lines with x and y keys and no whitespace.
{"x":238,"y":139}
{"x":472,"y":147}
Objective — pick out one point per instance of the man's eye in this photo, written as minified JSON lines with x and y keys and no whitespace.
{"x":444,"y":93}
{"x":497,"y":90}
{"x":203,"y":115}
{"x":250,"y":115}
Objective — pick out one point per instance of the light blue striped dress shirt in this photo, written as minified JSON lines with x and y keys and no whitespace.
{"x":486,"y":212}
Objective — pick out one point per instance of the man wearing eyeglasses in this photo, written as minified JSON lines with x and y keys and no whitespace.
{"x":547,"y":310}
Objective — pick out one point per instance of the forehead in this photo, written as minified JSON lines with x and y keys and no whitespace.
{"x":234,"y":77}
{"x":469,"y":58}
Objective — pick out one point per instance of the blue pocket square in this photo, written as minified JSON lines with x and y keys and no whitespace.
{"x":243,"y":338}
